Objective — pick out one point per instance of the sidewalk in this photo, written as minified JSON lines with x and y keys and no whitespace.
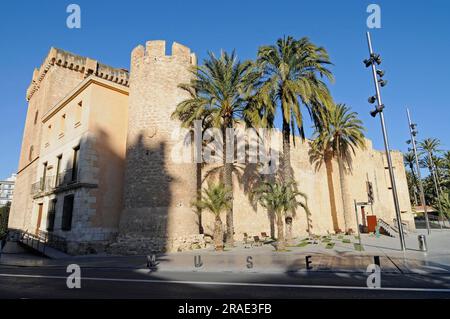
{"x":342,"y":258}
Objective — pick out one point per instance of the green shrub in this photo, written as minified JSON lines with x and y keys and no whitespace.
{"x":303,"y":244}
{"x":4,"y":214}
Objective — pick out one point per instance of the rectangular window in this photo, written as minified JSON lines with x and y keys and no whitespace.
{"x":57,"y":172}
{"x":67,"y":213}
{"x":44,"y":176}
{"x":51,"y":214}
{"x":76,"y":155}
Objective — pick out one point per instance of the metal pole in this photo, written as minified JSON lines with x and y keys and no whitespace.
{"x":357,"y":224}
{"x":422,"y":194}
{"x":387,"y":149}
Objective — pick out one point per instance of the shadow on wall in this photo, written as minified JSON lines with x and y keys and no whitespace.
{"x":248,"y":179}
{"x":85,"y":201}
{"x":147,"y":197}
{"x":89,"y":210}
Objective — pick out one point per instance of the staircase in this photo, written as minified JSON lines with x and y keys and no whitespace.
{"x":44,"y":244}
{"x":390,"y":230}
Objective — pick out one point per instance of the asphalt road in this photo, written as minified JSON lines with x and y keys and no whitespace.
{"x":50,"y":282}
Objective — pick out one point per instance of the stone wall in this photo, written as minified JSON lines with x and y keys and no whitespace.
{"x":158,"y":192}
{"x":138,"y":191}
{"x":50,"y":83}
{"x":367,"y":165}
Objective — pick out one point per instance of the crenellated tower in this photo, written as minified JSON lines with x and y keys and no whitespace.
{"x":159,"y":192}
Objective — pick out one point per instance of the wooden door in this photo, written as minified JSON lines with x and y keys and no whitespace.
{"x":39,"y":219}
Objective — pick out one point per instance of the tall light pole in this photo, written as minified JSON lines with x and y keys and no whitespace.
{"x":413,"y":133}
{"x":372,"y":61}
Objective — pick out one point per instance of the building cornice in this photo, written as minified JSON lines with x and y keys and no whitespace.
{"x":80,"y":88}
{"x":76,"y":63}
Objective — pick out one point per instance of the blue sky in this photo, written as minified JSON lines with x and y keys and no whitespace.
{"x":414,"y":43}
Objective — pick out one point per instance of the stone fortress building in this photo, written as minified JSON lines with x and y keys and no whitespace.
{"x":95,"y":169}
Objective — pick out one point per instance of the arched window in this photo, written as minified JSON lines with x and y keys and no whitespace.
{"x":30,"y":154}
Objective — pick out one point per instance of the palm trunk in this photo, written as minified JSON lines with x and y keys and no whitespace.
{"x":286,"y":163}
{"x":346,"y":203}
{"x":411,"y":167}
{"x":218,"y":234}
{"x":199,"y":197}
{"x":433,"y":175}
{"x":228,"y":182}
{"x":270,"y":212}
{"x":286,"y":173}
{"x":281,"y":243}
{"x":334,"y":214}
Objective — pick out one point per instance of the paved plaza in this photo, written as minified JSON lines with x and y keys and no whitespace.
{"x":344,"y":256}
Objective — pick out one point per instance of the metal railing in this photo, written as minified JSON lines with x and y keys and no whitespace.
{"x":44,"y":185}
{"x":33,"y":241}
{"x":65,"y":177}
{"x":391,"y":230}
{"x":43,"y":239}
{"x":404,"y":224}
{"x":50,"y":183}
{"x":53,"y":240}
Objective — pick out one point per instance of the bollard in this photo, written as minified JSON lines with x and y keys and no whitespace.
{"x":422,"y":242}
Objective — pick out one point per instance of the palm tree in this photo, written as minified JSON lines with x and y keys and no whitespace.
{"x":215,"y":199}
{"x":445,"y":203}
{"x":341,"y":133}
{"x":446,"y":160}
{"x":291,"y":72}
{"x":218,"y":96}
{"x":430,"y":147}
{"x":280,"y":198}
{"x":410,"y":161}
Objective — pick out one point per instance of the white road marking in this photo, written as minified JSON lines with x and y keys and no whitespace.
{"x":218,"y":283}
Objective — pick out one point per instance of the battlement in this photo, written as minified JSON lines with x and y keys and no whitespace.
{"x":76,"y":63}
{"x":156,"y":49}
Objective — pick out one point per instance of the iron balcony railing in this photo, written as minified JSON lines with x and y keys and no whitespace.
{"x":43,"y":186}
{"x":50,"y":183}
{"x":65,"y":177}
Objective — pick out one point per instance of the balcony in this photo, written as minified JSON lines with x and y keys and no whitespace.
{"x":50,"y":184}
{"x":66,"y":177}
{"x":44,"y":185}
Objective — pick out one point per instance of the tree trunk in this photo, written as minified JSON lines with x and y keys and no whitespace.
{"x":286,"y":160}
{"x":281,"y":244}
{"x":434,"y":176}
{"x":334,"y":213}
{"x":348,"y":209}
{"x":218,"y":234}
{"x":228,"y":182}
{"x":270,"y":212}
{"x":199,"y":197}
{"x":286,"y":173}
{"x":414,"y":183}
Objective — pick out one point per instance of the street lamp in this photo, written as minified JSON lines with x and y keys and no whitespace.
{"x":413,"y":132}
{"x":375,"y":59}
